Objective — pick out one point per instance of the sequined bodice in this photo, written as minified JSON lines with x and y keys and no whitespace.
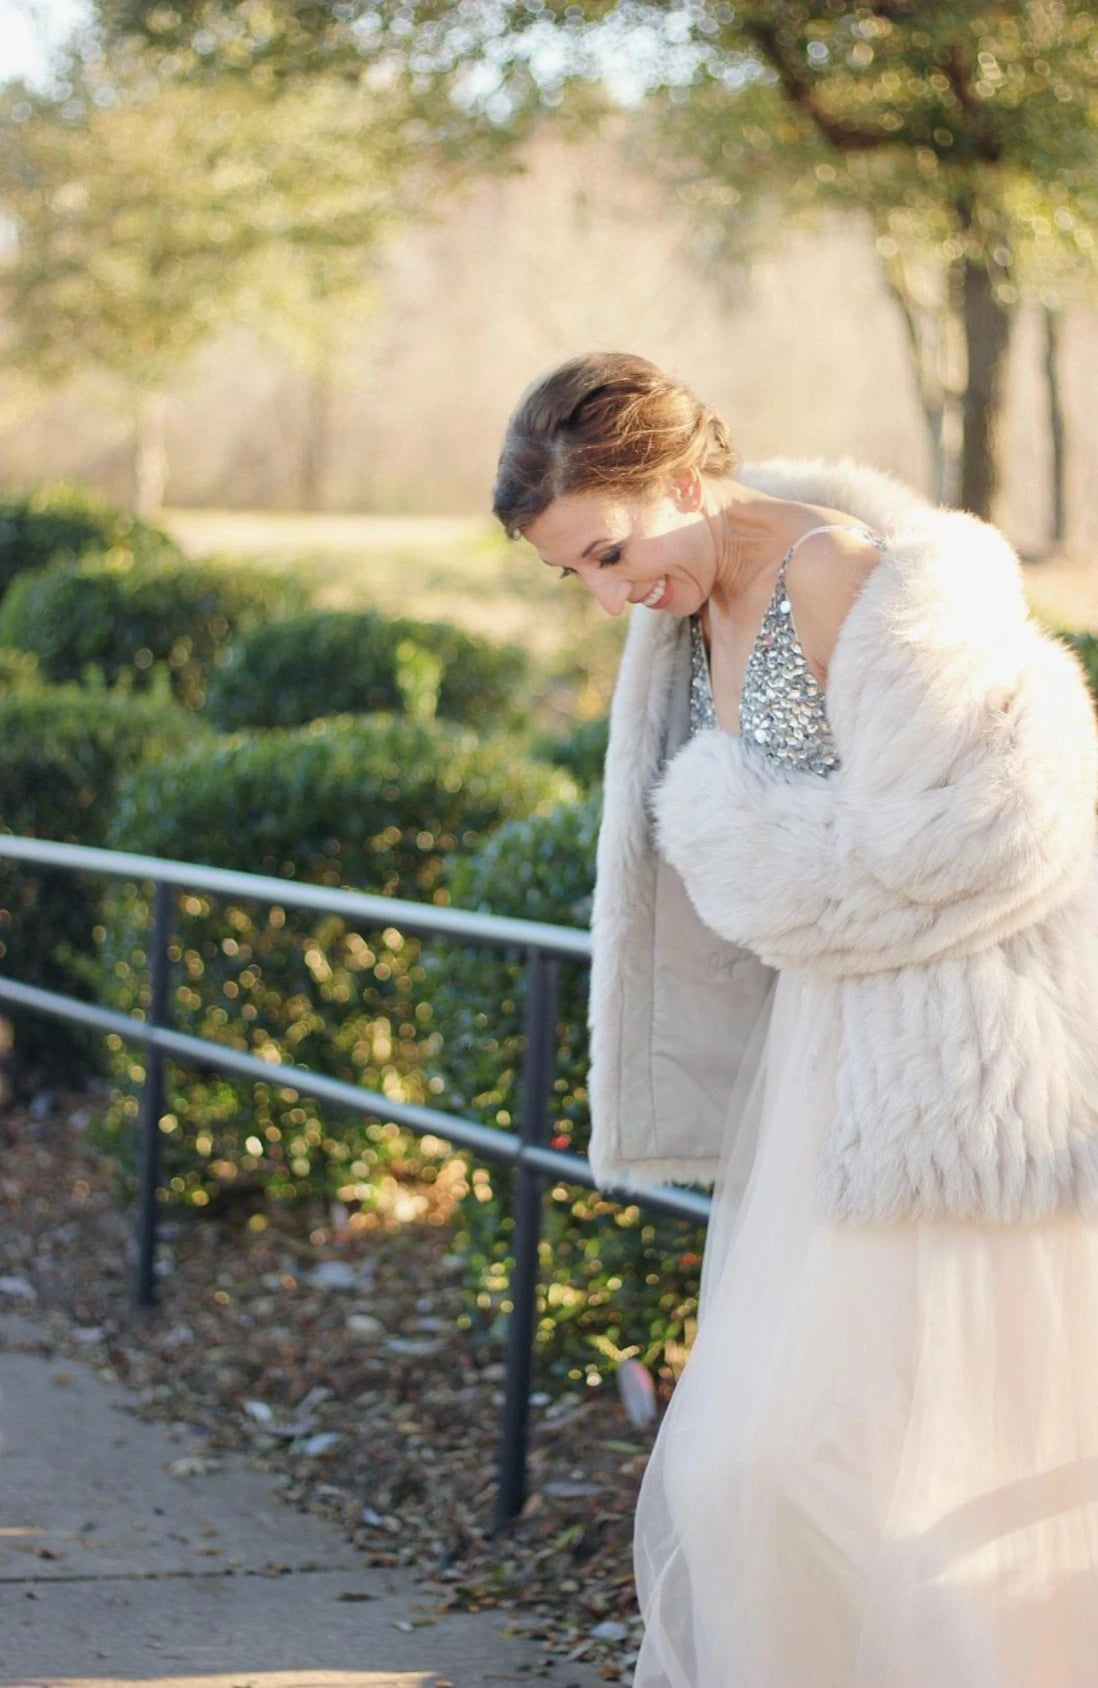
{"x":782,"y":708}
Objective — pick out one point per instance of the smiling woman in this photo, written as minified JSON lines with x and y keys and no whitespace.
{"x":619,"y":476}
{"x":845,"y":961}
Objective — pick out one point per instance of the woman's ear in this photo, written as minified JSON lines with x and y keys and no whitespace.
{"x":686,"y":489}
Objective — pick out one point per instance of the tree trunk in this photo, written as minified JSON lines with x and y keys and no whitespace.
{"x":1056,"y":424}
{"x":150,"y":462}
{"x":923,"y":335}
{"x":932,"y":328}
{"x":987,"y":326}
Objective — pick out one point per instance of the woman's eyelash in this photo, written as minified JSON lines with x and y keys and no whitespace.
{"x":607,"y":559}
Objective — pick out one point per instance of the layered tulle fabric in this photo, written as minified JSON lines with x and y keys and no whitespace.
{"x":880,"y":1467}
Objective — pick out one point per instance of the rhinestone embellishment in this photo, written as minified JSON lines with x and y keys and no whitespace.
{"x":702,"y":713}
{"x":782,"y":707}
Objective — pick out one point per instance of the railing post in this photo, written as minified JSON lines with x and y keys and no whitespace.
{"x":152,"y":1102}
{"x":543,"y":973}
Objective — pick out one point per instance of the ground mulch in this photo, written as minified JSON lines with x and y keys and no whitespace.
{"x":325,"y":1346}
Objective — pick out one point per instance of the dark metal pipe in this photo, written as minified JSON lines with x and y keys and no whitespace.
{"x":487,"y":1141}
{"x":152,"y":1102}
{"x":495,"y":931}
{"x":539,"y":1060}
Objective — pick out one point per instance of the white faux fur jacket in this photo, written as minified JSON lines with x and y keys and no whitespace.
{"x":943,"y":881}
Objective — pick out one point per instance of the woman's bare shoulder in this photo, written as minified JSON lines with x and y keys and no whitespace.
{"x":824,"y":577}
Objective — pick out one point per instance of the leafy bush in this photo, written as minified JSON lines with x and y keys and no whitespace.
{"x":335,"y":662}
{"x":18,"y":669}
{"x":126,"y":621}
{"x":62,"y":753}
{"x":1085,"y":646}
{"x":371,"y":801}
{"x":614,"y":1281}
{"x":582,"y":751}
{"x":69,"y":523}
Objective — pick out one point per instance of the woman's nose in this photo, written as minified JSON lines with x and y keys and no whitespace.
{"x":612,"y":594}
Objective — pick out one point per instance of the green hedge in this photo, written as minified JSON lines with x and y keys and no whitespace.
{"x":18,"y":670}
{"x":614,"y":1281}
{"x":333,"y":662}
{"x":128,"y":621}
{"x":373,"y":802}
{"x":69,"y":523}
{"x":63,"y":751}
{"x":582,"y":751}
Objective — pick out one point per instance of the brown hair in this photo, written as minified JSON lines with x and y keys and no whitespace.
{"x":606,"y":420}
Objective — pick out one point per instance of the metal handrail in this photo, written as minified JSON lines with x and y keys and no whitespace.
{"x":545,"y":946}
{"x":495,"y":930}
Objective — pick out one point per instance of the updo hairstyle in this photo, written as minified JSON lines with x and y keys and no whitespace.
{"x":607,"y":420}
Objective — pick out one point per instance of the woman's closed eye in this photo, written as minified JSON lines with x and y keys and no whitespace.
{"x":607,"y":560}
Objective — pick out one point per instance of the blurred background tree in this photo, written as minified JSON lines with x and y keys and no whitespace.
{"x":968,"y":135}
{"x":145,"y":209}
{"x":967,"y":132}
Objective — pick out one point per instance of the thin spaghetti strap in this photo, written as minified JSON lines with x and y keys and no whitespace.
{"x":833,"y":527}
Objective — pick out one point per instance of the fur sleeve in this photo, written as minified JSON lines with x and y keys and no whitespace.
{"x":952,"y":821}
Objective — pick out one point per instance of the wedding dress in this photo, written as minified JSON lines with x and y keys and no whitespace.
{"x":880,"y":1466}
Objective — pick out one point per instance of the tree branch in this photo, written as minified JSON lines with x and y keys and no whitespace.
{"x":955,"y":70}
{"x":800,"y":92}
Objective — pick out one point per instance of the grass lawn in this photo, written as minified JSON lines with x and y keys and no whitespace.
{"x":1063,"y":590}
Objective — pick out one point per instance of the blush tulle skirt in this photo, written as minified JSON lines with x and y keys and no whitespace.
{"x":879,"y":1468}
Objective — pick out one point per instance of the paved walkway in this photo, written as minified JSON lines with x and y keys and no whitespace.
{"x":115,"y":1570}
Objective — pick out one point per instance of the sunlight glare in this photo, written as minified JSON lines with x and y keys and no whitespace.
{"x":30,"y":30}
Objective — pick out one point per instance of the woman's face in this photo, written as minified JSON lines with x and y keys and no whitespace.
{"x":656,"y":551}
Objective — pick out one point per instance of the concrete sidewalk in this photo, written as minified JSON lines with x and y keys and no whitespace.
{"x":114,"y":1570}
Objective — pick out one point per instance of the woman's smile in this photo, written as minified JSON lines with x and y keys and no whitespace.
{"x":659,"y":596}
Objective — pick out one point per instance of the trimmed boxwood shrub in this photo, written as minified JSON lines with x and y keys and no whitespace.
{"x":129,"y":621}
{"x":332,"y":662}
{"x":372,"y":801}
{"x":68,"y":523}
{"x":63,"y":751}
{"x":582,"y":751}
{"x":18,"y":669}
{"x":615,"y":1281}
